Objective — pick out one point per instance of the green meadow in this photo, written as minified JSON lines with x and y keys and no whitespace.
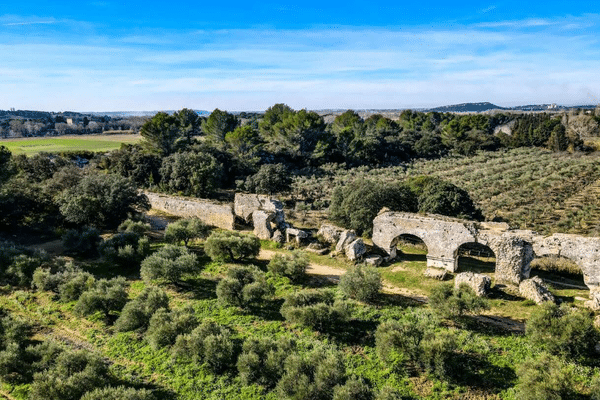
{"x":96,"y":143}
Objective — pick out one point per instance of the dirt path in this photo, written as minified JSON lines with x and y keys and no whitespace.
{"x":333,"y":274}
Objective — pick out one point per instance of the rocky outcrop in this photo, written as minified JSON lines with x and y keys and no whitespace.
{"x":346,"y":237}
{"x":594,"y":302}
{"x":436,"y":273}
{"x":536,"y":290}
{"x":211,"y":213}
{"x":295,"y":234}
{"x":373,"y":260}
{"x":245,"y":204}
{"x":355,"y":250}
{"x":478,"y":282}
{"x":278,"y":237}
{"x":262,"y":224}
{"x":330,"y":233}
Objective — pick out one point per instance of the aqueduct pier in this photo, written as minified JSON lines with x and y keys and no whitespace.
{"x":514,"y":249}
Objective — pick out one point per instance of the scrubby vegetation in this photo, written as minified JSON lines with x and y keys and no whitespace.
{"x":198,"y":314}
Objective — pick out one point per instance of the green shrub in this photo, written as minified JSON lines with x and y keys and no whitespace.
{"x":438,"y":355}
{"x":450,"y":302}
{"x":137,"y":313}
{"x":165,"y":326}
{"x":184,"y":230}
{"x":138,"y":227}
{"x":191,"y":173}
{"x":355,"y":388}
{"x":75,"y":285}
{"x":21,"y":269}
{"x":361,"y":283}
{"x":262,"y":360}
{"x":317,"y":309}
{"x":545,"y":377}
{"x":595,"y":387}
{"x":354,"y":206}
{"x":67,"y":280}
{"x":82,"y":242}
{"x":102,"y":201}
{"x":311,"y":375}
{"x":400,"y":341}
{"x":389,"y":393}
{"x":118,"y":393}
{"x":209,"y":343}
{"x":291,"y":265}
{"x":244,"y":286}
{"x":270,"y":178}
{"x":231,"y":246}
{"x":107,"y":297}
{"x":436,"y":196}
{"x":169,"y":264}
{"x":562,"y":330}
{"x":73,"y":374}
{"x":125,"y":249}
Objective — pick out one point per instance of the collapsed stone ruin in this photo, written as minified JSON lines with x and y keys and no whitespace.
{"x":443,"y":236}
{"x":514,"y":249}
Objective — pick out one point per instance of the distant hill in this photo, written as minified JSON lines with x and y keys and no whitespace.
{"x":122,"y":114}
{"x":468,"y":107}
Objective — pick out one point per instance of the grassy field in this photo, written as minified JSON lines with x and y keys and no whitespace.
{"x":97,"y":143}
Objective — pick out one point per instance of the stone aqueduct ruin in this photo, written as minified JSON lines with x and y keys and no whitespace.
{"x":443,"y":236}
{"x":514,"y":249}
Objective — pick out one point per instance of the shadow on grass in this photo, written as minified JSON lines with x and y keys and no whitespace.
{"x":476,"y":371}
{"x":491,"y":325}
{"x":472,"y":264}
{"x":355,"y":332}
{"x":411,"y":257}
{"x":392,"y":299}
{"x":202,"y":289}
{"x":269,"y":310}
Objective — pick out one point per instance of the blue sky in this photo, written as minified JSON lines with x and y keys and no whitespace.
{"x":133,"y":55}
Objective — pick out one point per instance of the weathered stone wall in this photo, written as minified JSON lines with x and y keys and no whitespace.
{"x":215,"y":214}
{"x":584,"y":251}
{"x":514,"y":249}
{"x":442,"y":236}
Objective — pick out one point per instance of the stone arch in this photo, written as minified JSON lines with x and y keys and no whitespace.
{"x":466,"y":252}
{"x":584,"y":251}
{"x":409,"y":238}
{"x":547,"y":265}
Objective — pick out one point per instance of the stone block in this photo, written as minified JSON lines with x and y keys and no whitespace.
{"x":436,"y":273}
{"x":594,"y":302}
{"x":355,"y":250}
{"x":278,"y":237}
{"x":209,"y":212}
{"x":346,"y":237}
{"x":374,"y":260}
{"x":297,"y":234}
{"x":262,"y":224}
{"x":330,"y":233}
{"x":536,"y":290}
{"x":245,"y":204}
{"x":478,"y":282}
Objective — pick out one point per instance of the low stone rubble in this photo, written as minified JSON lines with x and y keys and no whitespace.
{"x":436,"y":273}
{"x":478,"y":282}
{"x":536,"y":290}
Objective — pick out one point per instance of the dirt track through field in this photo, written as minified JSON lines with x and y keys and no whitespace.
{"x":333,"y":274}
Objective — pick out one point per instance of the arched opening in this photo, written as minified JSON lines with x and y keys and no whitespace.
{"x":410,"y":248}
{"x":560,"y":272}
{"x":476,"y":257}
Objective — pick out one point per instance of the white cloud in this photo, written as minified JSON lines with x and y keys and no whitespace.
{"x":322,"y":68}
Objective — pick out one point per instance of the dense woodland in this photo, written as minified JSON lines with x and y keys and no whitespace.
{"x":123,"y":311}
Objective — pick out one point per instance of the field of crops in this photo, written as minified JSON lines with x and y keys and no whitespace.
{"x":97,"y":143}
{"x":530,"y":188}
